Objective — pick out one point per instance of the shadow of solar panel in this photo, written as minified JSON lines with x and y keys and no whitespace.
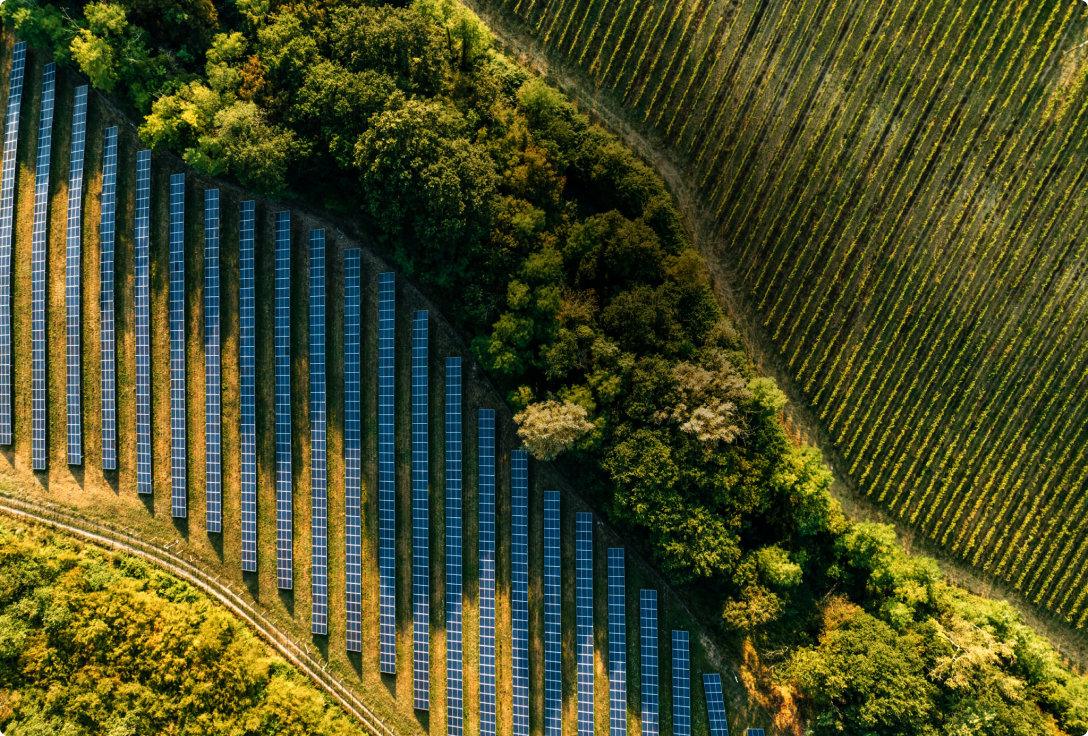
{"x":519,"y":590}
{"x":421,"y":613}
{"x":715,"y":704}
{"x":107,"y":230}
{"x":247,"y":384}
{"x":39,"y":419}
{"x":454,"y":644}
{"x":7,"y":214}
{"x":319,"y":529}
{"x":486,"y":495}
{"x":583,"y":599}
{"x":284,"y":492}
{"x":213,"y":418}
{"x":617,"y":643}
{"x":553,"y":643}
{"x":353,"y":591}
{"x":681,"y":684}
{"x":648,"y":665}
{"x":179,"y":506}
{"x":387,"y":484}
{"x":73,"y":277}
{"x":142,"y":274}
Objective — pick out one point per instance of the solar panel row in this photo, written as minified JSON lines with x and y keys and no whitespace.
{"x":142,"y":274}
{"x":247,"y":386}
{"x":519,"y":590}
{"x":319,"y":523}
{"x":715,"y":704}
{"x":681,"y":684}
{"x":553,"y":644}
{"x":107,"y":229}
{"x":178,"y":440}
{"x":486,"y":496}
{"x":648,"y":661}
{"x":583,"y":600}
{"x":454,"y":659}
{"x":353,"y":541}
{"x":617,"y":643}
{"x":421,"y":570}
{"x":39,"y":255}
{"x":387,"y":582}
{"x":7,"y":213}
{"x":754,"y":732}
{"x":73,"y":277}
{"x":213,"y":418}
{"x":284,"y":491}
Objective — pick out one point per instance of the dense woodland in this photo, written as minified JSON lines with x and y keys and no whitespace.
{"x":562,"y":258}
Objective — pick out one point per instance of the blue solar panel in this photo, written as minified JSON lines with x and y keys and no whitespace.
{"x":39,"y":255}
{"x":454,"y":660}
{"x":617,"y":643}
{"x":553,"y":613}
{"x":143,"y":321}
{"x":754,"y":732}
{"x":107,"y":230}
{"x":284,"y":502}
{"x":648,"y":661}
{"x":486,"y":434}
{"x":353,"y":478}
{"x":681,"y":684}
{"x":519,"y":589}
{"x":7,"y":213}
{"x":387,"y":484}
{"x":178,"y":440}
{"x":421,"y":595}
{"x":319,"y":538}
{"x":715,"y":705}
{"x":247,"y":384}
{"x":583,"y":558}
{"x":73,"y":277}
{"x":213,"y":418}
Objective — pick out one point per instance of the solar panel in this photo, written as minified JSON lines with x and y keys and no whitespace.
{"x":715,"y":704}
{"x":486,"y":434}
{"x":7,"y":213}
{"x":454,"y":659}
{"x":142,"y":274}
{"x":754,"y":732}
{"x":39,"y":255}
{"x":73,"y":277}
{"x":319,"y":522}
{"x":553,"y":608}
{"x":648,"y":661}
{"x":247,"y":384}
{"x":284,"y":502}
{"x":353,"y":478}
{"x":681,"y":685}
{"x":387,"y":484}
{"x":583,"y":559}
{"x":178,"y":439}
{"x":107,"y":229}
{"x":213,"y":436}
{"x":421,"y":611}
{"x":617,"y":643}
{"x":519,"y":590}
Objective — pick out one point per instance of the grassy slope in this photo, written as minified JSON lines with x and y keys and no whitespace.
{"x":112,"y":496}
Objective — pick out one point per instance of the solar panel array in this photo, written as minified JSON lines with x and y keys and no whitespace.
{"x":617,"y":643}
{"x":247,"y":384}
{"x":681,"y":684}
{"x":648,"y":661}
{"x":486,"y":496}
{"x":213,"y":417}
{"x":519,"y":590}
{"x":754,"y":732}
{"x":387,"y":484}
{"x":353,"y":453}
{"x":715,"y":704}
{"x":178,"y":393}
{"x":73,"y":277}
{"x":143,"y":321}
{"x":421,"y":596}
{"x":553,"y":607}
{"x":319,"y":521}
{"x":583,"y":600}
{"x":454,"y":658}
{"x":7,"y":214}
{"x":107,"y":230}
{"x":284,"y":503}
{"x":39,"y":255}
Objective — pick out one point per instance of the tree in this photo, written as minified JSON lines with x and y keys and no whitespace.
{"x":550,"y":428}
